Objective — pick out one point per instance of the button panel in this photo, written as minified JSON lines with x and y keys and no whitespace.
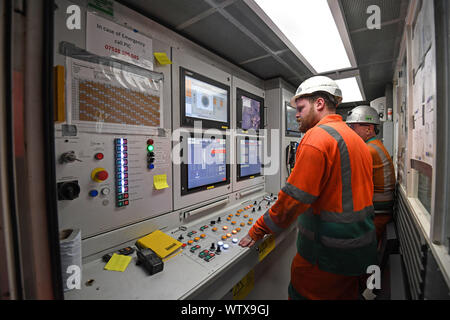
{"x":218,"y":238}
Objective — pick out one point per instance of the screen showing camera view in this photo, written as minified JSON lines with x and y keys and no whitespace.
{"x":206,"y":162}
{"x":205,"y":101}
{"x":251,"y":116}
{"x":250,"y":157}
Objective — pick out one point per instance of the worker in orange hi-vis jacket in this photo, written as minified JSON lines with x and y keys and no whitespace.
{"x":364,"y":121}
{"x":329,"y":192}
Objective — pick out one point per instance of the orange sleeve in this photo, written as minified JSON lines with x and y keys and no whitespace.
{"x":301,"y":190}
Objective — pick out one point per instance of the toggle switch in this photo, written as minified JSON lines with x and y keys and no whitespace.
{"x":68,"y":157}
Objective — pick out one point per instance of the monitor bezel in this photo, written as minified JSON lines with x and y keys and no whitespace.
{"x":239,"y":94}
{"x":239,"y":177}
{"x":287,"y":132}
{"x":188,"y":121}
{"x":184,"y":166}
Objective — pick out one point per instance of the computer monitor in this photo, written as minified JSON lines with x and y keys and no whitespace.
{"x":291,"y":121}
{"x":205,"y":165}
{"x":203,"y":99}
{"x":250,"y":111}
{"x":249,"y":155}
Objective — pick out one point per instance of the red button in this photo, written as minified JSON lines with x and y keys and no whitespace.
{"x":183,"y":245}
{"x":126,"y":202}
{"x":99,"y":156}
{"x":102,"y":175}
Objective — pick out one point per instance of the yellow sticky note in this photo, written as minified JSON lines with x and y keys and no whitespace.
{"x":118,"y":262}
{"x":266,"y":247}
{"x":162,"y":58}
{"x":160,"y":181}
{"x":244,"y":287}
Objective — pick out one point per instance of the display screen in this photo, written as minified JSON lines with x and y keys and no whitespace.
{"x":205,"y":100}
{"x":291,"y":121}
{"x":206,"y":162}
{"x":249,"y":110}
{"x":250,"y":154}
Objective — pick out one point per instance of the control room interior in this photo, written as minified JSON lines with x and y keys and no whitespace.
{"x":144,"y":139}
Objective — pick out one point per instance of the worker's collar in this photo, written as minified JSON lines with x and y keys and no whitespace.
{"x":371,"y":139}
{"x":329,"y":118}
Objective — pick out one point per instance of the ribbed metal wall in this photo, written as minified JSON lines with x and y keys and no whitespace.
{"x":413,"y":248}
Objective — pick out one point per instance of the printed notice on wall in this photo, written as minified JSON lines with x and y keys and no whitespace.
{"x":108,"y":39}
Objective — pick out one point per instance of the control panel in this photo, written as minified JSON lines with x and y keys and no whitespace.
{"x":214,"y":242}
{"x":210,"y":247}
{"x":105,"y":181}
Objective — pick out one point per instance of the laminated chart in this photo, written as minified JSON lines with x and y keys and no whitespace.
{"x":109,"y":95}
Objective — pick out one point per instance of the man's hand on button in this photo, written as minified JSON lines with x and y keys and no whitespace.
{"x":247,"y":241}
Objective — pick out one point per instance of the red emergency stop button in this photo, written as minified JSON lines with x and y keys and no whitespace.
{"x":99,"y":174}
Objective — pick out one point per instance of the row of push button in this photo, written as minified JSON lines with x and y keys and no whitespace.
{"x":121,"y":152}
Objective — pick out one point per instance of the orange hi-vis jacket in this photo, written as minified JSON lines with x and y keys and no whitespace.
{"x":384,"y":184}
{"x":330,"y":192}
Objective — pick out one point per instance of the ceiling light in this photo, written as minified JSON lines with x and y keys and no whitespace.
{"x":351,"y":91}
{"x":310,"y":27}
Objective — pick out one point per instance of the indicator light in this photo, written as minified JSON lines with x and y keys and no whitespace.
{"x":99,"y":156}
{"x":150,"y":148}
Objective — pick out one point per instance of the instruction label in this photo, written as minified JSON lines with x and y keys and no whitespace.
{"x":266,"y":247}
{"x":245,"y":286}
{"x":108,"y":39}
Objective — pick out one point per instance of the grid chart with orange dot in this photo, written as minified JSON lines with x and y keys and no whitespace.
{"x":112,"y":104}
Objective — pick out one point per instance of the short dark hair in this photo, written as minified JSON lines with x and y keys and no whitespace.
{"x":330,"y":101}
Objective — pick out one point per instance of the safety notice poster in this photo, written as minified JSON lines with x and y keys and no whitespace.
{"x":108,"y":39}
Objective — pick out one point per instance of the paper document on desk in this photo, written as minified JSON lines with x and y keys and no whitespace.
{"x":118,"y":262}
{"x":162,"y":244}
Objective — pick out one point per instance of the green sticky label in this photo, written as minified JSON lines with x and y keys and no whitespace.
{"x":369,"y":118}
{"x":105,"y":6}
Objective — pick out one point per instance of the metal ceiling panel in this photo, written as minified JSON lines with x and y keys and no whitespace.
{"x":375,"y":78}
{"x":170,"y":13}
{"x":220,"y":36}
{"x":356,"y":11}
{"x":241,"y":12}
{"x":296,"y":65}
{"x":375,"y":50}
{"x":268,"y":68}
{"x":375,"y":45}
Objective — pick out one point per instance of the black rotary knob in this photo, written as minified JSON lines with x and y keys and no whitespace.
{"x":68,"y":190}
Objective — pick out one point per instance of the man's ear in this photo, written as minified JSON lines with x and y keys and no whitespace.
{"x":320,"y":104}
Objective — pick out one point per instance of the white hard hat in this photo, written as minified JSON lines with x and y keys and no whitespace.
{"x":363,"y":114}
{"x":316,"y":84}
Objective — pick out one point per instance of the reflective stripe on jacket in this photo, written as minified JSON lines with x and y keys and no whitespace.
{"x":383,"y":176}
{"x":330,"y":191}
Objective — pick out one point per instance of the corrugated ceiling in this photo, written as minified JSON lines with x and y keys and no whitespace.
{"x":232,"y":30}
